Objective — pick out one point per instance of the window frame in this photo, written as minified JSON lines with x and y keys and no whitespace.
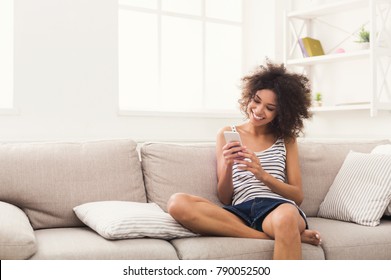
{"x":203,"y":112}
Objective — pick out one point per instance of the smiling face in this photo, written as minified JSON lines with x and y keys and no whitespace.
{"x":262,"y":108}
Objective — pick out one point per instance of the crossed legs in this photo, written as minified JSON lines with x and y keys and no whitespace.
{"x":284,"y":224}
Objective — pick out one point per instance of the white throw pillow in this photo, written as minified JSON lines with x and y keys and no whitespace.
{"x":385,"y":150}
{"x":124,"y":219}
{"x":382,"y":149}
{"x":361,"y":190}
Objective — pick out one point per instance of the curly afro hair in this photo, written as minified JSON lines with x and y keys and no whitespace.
{"x":293,"y":97}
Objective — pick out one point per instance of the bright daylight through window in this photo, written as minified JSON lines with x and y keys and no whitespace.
{"x":180,"y":56}
{"x":6,"y":55}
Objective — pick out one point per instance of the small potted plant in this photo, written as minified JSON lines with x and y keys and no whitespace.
{"x":363,"y":38}
{"x":318,"y":99}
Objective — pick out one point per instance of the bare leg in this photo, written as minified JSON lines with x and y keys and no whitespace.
{"x":285,"y":225}
{"x":202,"y":216}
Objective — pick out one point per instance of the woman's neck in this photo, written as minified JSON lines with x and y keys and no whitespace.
{"x":256,"y":130}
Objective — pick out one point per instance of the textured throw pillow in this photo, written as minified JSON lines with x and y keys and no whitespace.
{"x":384,"y":150}
{"x":17,"y":239}
{"x":361,"y":190}
{"x":124,"y":219}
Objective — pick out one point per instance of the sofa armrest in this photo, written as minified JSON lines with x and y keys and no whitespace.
{"x":17,"y":239}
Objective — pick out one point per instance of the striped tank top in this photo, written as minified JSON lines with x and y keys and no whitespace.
{"x":247,"y":187}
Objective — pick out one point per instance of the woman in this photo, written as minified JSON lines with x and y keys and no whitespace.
{"x":259,"y":181}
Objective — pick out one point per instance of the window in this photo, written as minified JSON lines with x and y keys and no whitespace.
{"x":180,"y":56}
{"x":6,"y":55}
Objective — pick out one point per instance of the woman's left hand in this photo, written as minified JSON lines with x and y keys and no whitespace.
{"x":250,"y":162}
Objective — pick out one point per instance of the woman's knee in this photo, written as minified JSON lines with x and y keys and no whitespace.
{"x":285,"y":219}
{"x":178,"y":205}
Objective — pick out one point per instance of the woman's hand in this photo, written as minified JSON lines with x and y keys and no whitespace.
{"x":231,"y":152}
{"x":250,"y":162}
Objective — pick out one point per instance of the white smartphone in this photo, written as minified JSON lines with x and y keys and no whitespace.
{"x":232,"y":136}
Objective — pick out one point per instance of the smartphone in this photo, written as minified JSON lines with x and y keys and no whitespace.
{"x":232,"y":136}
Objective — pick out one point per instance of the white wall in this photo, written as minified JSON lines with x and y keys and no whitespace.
{"x":66,"y":79}
{"x":349,"y":124}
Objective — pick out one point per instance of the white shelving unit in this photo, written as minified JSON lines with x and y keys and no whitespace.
{"x":301,"y":24}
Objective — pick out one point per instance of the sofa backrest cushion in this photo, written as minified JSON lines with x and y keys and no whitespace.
{"x":172,"y":168}
{"x":320,"y":162}
{"x":47,"y":180}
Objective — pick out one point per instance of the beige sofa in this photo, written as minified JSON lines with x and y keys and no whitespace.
{"x":41,"y":183}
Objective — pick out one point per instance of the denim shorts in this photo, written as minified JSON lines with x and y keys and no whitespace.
{"x":254,"y":211}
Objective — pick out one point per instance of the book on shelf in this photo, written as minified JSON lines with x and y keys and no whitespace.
{"x":303,"y":50}
{"x":310,"y":47}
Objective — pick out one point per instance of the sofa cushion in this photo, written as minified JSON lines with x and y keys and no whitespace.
{"x":47,"y":180}
{"x":125,"y":219}
{"x":172,"y":168}
{"x":320,"y":162}
{"x":384,"y":150}
{"x":350,"y":241}
{"x":82,"y":243}
{"x":229,"y":248}
{"x":17,"y":240}
{"x":361,"y":190}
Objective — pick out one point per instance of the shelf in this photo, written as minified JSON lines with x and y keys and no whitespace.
{"x":380,"y":51}
{"x":303,"y":23}
{"x":352,"y":107}
{"x":329,"y":58}
{"x":333,"y":8}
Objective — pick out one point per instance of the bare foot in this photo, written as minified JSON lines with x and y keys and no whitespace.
{"x":311,"y":237}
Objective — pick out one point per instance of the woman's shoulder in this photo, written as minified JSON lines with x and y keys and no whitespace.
{"x":220,"y":133}
{"x":226,"y":128}
{"x":290,"y":141}
{"x":290,"y":144}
